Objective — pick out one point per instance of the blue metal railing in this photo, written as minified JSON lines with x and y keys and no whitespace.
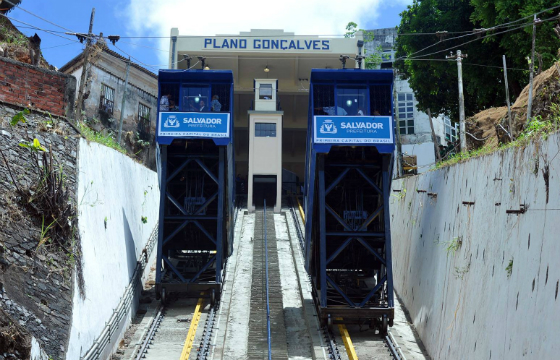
{"x":267,"y":299}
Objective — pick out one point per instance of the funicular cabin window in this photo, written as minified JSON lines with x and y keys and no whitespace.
{"x":265,"y":92}
{"x":351,"y":100}
{"x":220,"y":97}
{"x":380,"y":100}
{"x":169,"y":99}
{"x":196,"y":98}
{"x":323,"y":99}
{"x":265,"y":129}
{"x":107,"y":100}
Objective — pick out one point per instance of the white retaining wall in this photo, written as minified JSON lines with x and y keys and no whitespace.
{"x":463,"y":304}
{"x":114,"y":188}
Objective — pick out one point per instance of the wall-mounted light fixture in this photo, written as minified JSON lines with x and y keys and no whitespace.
{"x":266,"y":69}
{"x":207,"y":67}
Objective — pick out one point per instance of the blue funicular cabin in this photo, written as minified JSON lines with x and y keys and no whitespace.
{"x":350,"y":145}
{"x":194,"y":135}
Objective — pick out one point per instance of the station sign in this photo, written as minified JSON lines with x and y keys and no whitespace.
{"x":193,"y":124}
{"x":353,"y":130}
{"x":258,"y":44}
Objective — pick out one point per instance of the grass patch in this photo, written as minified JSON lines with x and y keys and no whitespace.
{"x":509,"y":268}
{"x":452,"y":246}
{"x":537,"y":128}
{"x":107,"y":140}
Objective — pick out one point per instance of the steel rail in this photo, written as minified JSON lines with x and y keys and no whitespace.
{"x":204,"y":349}
{"x":156,"y":321}
{"x":395,"y":349}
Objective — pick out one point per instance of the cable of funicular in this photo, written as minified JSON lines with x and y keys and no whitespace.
{"x":266,"y":273}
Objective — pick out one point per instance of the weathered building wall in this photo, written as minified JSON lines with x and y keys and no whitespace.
{"x":469,"y":303}
{"x":37,"y":88}
{"x":36,"y":285}
{"x":141,"y":89}
{"x":116,"y":194}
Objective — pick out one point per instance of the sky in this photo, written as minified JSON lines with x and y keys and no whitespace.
{"x":140,"y":18}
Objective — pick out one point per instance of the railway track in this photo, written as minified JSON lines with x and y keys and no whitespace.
{"x":175,"y":320}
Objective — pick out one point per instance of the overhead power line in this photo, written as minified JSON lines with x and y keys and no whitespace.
{"x":37,"y":16}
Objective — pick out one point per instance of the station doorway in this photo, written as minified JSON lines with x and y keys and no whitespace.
{"x":264,"y":187}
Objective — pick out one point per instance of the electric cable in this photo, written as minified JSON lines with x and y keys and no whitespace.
{"x":37,"y":16}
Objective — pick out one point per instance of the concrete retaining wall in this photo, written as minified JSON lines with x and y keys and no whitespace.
{"x":114,"y":193}
{"x":465,"y":303}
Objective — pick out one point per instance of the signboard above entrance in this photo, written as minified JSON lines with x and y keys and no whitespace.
{"x":353,"y":130}
{"x":266,"y":44}
{"x":172,"y":125}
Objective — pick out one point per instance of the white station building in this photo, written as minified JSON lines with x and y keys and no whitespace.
{"x":276,"y":55}
{"x":284,"y":61}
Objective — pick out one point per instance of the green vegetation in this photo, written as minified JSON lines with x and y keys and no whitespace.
{"x":8,"y":34}
{"x":107,"y":140}
{"x":371,"y":60}
{"x":33,"y":146}
{"x":537,"y":128}
{"x":19,"y":117}
{"x":144,"y":219}
{"x":452,"y":246}
{"x":509,"y":268}
{"x":435,"y":82}
{"x":400,"y":195}
{"x":461,"y":271}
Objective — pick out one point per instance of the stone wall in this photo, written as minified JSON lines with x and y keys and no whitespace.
{"x":37,"y":88}
{"x":481,"y":281}
{"x":36,"y":285}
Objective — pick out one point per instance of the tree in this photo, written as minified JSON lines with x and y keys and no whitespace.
{"x":373,"y":60}
{"x":516,"y":45}
{"x":434,"y":80}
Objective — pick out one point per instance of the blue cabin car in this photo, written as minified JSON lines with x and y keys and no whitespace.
{"x":196,"y":167}
{"x":349,"y":164}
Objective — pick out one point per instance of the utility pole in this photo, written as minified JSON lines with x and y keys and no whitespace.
{"x":78,"y":113}
{"x":462,"y":130}
{"x":434,"y":138}
{"x":396,"y":116}
{"x":123,"y":100}
{"x":510,"y":126}
{"x":532,"y":69}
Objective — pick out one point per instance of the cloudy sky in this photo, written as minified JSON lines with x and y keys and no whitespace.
{"x":155,"y":19}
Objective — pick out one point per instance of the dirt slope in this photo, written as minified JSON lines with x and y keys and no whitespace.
{"x":485,"y":125}
{"x":15,"y":45}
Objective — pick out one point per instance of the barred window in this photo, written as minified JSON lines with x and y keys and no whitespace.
{"x":405,"y":109}
{"x":107,"y":100}
{"x":143,"y":112}
{"x":265,"y":129}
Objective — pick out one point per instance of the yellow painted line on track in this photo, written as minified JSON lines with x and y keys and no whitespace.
{"x":192,"y":330}
{"x":347,"y":341}
{"x":300,"y":210}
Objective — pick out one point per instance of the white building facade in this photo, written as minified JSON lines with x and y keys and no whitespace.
{"x":414,"y":125}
